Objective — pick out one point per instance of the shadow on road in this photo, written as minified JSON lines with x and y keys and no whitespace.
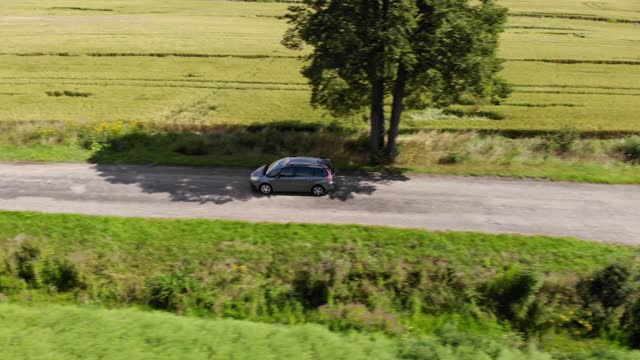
{"x":224,"y":185}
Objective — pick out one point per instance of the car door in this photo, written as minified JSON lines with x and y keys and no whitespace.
{"x":304,"y":178}
{"x":285,"y":180}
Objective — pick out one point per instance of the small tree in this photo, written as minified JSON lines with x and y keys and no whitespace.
{"x":420,"y":52}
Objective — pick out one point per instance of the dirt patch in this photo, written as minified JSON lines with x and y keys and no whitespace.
{"x":78,"y":9}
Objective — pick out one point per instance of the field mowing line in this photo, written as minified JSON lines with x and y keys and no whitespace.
{"x":579,"y":61}
{"x":575,"y":86}
{"x":575,"y":17}
{"x":158,"y":86}
{"x":540,"y":105}
{"x":108,"y":83}
{"x":192,"y":55}
{"x":573,"y":93}
{"x":257,"y":56}
{"x":158,"y":80}
{"x":290,"y":84}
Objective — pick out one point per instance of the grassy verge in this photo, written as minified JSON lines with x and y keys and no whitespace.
{"x":371,"y":279}
{"x":83,"y":333}
{"x":562,"y":155}
{"x":167,"y":241}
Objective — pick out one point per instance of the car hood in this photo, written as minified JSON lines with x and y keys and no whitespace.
{"x":259,"y":171}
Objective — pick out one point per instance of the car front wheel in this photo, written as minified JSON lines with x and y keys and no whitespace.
{"x":266,"y":189}
{"x":318,"y":191}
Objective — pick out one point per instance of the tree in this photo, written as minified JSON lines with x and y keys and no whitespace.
{"x":419,"y":53}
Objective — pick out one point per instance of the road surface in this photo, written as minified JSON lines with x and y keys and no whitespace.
{"x":609,"y":213}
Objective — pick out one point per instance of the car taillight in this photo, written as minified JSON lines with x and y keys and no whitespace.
{"x":329,"y":175}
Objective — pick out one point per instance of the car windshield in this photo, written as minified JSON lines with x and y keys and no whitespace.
{"x":272,"y":166}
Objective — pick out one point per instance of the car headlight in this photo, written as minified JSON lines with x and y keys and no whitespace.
{"x":255,"y":178}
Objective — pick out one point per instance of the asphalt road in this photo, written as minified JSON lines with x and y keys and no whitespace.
{"x":609,"y":213}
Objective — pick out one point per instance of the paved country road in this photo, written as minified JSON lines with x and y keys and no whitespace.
{"x":608,"y":213}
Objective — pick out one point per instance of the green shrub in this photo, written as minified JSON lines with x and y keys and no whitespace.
{"x":563,"y":140}
{"x":632,"y":324}
{"x":610,"y":286}
{"x":172,"y":291}
{"x":60,"y":273}
{"x":453,"y":158}
{"x":192,"y":145}
{"x":606,"y":296}
{"x":25,"y":262}
{"x":630,"y":149}
{"x":510,"y":293}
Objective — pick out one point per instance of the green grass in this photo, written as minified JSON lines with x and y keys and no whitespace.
{"x":576,"y":172}
{"x":64,"y":332}
{"x":56,"y":332}
{"x":241,"y":88}
{"x":185,"y":143}
{"x":146,"y":242}
{"x":43,"y":153}
{"x":405,"y":283}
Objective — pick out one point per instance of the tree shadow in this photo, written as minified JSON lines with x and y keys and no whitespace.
{"x":222,"y":185}
{"x":218,"y":161}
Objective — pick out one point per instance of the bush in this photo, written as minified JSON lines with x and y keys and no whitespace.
{"x":632,"y":325}
{"x":171,"y":291}
{"x":630,"y":149}
{"x":563,"y":140}
{"x":604,"y":295}
{"x":61,"y":274}
{"x":509,"y":294}
{"x":25,"y":260}
{"x":610,"y":287}
{"x":192,"y":145}
{"x":100,"y":134}
{"x":453,"y":158}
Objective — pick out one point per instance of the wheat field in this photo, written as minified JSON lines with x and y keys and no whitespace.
{"x":571,"y":63}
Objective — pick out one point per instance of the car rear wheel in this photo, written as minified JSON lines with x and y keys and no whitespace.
{"x":266,"y":189}
{"x":318,"y":190}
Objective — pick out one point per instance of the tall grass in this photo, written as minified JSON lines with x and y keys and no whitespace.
{"x":65,"y":333}
{"x":562,"y":155}
{"x":346,"y":277}
{"x":57,"y":332}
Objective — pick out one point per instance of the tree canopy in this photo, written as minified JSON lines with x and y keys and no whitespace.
{"x":419,"y":53}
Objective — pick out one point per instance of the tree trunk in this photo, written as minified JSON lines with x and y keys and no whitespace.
{"x":377,"y":118}
{"x":396,"y":112}
{"x":377,"y":83}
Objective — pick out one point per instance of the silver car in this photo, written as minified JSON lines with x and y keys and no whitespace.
{"x":295,"y":174}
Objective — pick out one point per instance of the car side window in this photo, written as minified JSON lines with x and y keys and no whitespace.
{"x":318,"y":172}
{"x":287,"y":172}
{"x":304,"y":172}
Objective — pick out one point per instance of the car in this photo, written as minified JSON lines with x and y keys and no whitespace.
{"x":295,"y":174}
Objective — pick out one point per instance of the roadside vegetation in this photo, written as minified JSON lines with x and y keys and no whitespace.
{"x":144,"y":335}
{"x":564,"y":295}
{"x":566,"y":154}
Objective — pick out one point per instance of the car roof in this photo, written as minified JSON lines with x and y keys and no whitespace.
{"x":306,"y":160}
